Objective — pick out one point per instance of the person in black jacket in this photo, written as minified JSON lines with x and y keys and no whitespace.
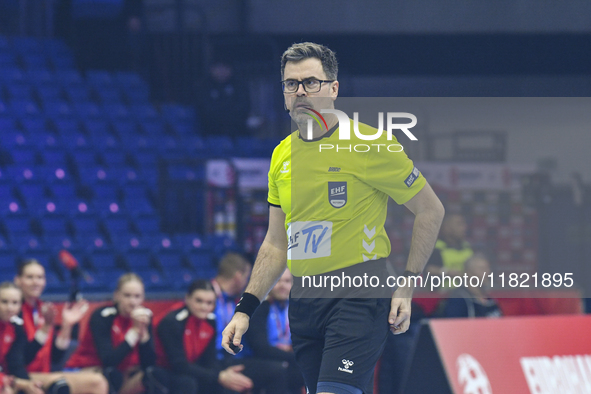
{"x":13,"y":341}
{"x":119,"y":339}
{"x":269,"y":334}
{"x":186,"y":348}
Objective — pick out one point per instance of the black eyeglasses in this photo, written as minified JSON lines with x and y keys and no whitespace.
{"x":311,"y":85}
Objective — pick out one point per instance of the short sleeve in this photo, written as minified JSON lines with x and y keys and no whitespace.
{"x":394,"y":173}
{"x":273,"y":196}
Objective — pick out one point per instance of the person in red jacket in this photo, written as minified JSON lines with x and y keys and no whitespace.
{"x":186,"y":347}
{"x":13,"y":341}
{"x":47,"y":343}
{"x":119,"y":339}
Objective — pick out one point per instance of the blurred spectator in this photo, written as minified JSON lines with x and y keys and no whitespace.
{"x":119,"y":340}
{"x":451,"y":249}
{"x":47,"y":342}
{"x":233,"y":274}
{"x":223,"y":102}
{"x":269,"y":334}
{"x":473,"y":301}
{"x":187,"y":351}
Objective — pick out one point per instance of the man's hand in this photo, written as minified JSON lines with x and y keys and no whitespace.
{"x":399,"y":317}
{"x":72,"y":314}
{"x":234,"y":331}
{"x":28,"y":386}
{"x":231,"y":379}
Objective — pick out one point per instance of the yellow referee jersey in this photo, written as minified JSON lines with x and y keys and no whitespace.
{"x":334,"y":194}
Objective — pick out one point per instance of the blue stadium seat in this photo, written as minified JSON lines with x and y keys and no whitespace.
{"x":54,"y":224}
{"x":139,"y":259}
{"x":181,"y":278}
{"x":60,"y":61}
{"x":106,"y":191}
{"x":12,"y":138}
{"x":34,"y":125}
{"x":43,"y":140}
{"x":117,"y":112}
{"x":96,"y":126}
{"x":103,"y":260}
{"x":92,"y":243}
{"x":183,"y":172}
{"x":57,"y":242}
{"x":24,"y":156}
{"x":127,"y":79}
{"x":23,"y":173}
{"x":99,"y":78}
{"x":10,"y":206}
{"x":49,"y":93}
{"x":104,"y":141}
{"x":114,"y":158}
{"x":6,"y":123}
{"x":145,"y":159}
{"x":176,"y":113}
{"x":137,"y":142}
{"x":35,"y":61}
{"x":143,"y":112}
{"x":41,"y":77}
{"x":24,"y":108}
{"x":87,"y":110}
{"x":200,"y":259}
{"x":31,"y":191}
{"x":17,"y":224}
{"x":189,"y":242}
{"x":27,"y":44}
{"x":75,"y":140}
{"x":147,"y":224}
{"x":84,"y":158}
{"x":65,"y":125}
{"x":56,"y":174}
{"x":55,"y":108}
{"x":171,"y":260}
{"x":20,"y":92}
{"x":219,"y":146}
{"x":8,"y":259}
{"x":63,"y":191}
{"x":68,"y":77}
{"x":11,"y":74}
{"x":7,"y":59}
{"x":183,"y":129}
{"x":154,"y":279}
{"x":55,"y":157}
{"x":116,"y":226}
{"x":6,"y":190}
{"x":108,"y":95}
{"x":137,"y":94}
{"x":153,"y":128}
{"x":85,"y":225}
{"x":77,"y":93}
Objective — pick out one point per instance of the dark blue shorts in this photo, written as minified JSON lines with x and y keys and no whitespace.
{"x":339,"y":340}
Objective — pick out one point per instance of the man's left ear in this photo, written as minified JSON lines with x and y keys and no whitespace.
{"x":334,"y":89}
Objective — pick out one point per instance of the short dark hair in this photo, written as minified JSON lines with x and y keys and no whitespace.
{"x":306,"y":50}
{"x":199,"y":284}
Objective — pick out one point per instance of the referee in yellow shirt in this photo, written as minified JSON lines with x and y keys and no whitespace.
{"x":327,"y":210}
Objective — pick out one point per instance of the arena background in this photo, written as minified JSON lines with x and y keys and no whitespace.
{"x":115,"y":144}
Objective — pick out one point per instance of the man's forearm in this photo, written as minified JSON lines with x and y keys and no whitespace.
{"x":424,"y":236}
{"x":268,"y":267}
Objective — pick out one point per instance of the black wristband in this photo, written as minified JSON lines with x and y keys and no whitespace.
{"x":248,"y":304}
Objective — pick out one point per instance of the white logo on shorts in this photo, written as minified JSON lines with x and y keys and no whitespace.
{"x":347,"y":364}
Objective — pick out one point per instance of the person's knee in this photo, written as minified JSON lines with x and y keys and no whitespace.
{"x":97,"y":384}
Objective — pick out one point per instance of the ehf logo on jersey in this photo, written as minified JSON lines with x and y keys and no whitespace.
{"x":337,"y":194}
{"x":412,"y":177}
